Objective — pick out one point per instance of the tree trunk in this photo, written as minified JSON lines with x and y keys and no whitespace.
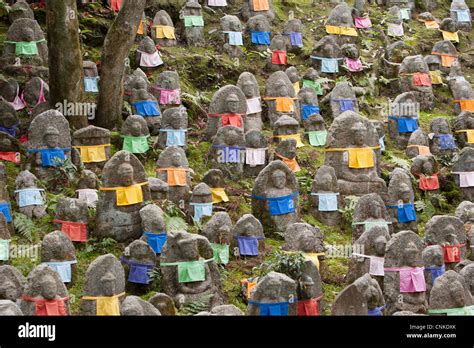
{"x":117,"y":45}
{"x":65,"y":57}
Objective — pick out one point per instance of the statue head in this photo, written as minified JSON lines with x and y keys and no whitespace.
{"x":108,"y":284}
{"x":359,"y":133}
{"x":379,"y":245}
{"x":232,"y":102}
{"x":410,"y":255}
{"x":282,"y":89}
{"x":49,"y":287}
{"x":279,"y":179}
{"x":248,"y":88}
{"x":125,"y":173}
{"x":51,"y":137}
{"x":176,"y":159}
{"x":405,"y":193}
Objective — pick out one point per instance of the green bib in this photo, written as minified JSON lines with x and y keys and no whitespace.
{"x":190,"y":271}
{"x":314,"y":85}
{"x":193,"y":21}
{"x":4,"y":249}
{"x":135,"y":144}
{"x":221,"y":253}
{"x":453,"y":311}
{"x":26,"y":48}
{"x":369,"y":224}
{"x":317,"y":138}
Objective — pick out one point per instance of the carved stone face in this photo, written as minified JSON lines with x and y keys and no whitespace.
{"x":108,"y":284}
{"x":125,"y":174}
{"x":260,"y":26}
{"x":51,"y":140}
{"x":28,"y":34}
{"x":49,"y":288}
{"x":136,"y":129}
{"x":233,"y":104}
{"x":410,"y":254}
{"x":232,"y":138}
{"x":189,"y":249}
{"x":8,"y":291}
{"x":248,"y":89}
{"x":306,"y":98}
{"x":283,"y":90}
{"x":379,"y":245}
{"x":8,"y":120}
{"x":176,"y":159}
{"x":292,"y":73}
{"x":175,"y":121}
{"x":359,"y":135}
{"x":428,"y":167}
{"x":279,"y":179}
{"x":405,"y":193}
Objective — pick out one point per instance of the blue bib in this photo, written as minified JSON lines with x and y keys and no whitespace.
{"x":446,"y":142}
{"x":156,"y":241}
{"x":63,"y":269}
{"x":91,"y":84}
{"x":248,"y":246}
{"x":272,"y":309}
{"x":147,"y":108}
{"x":329,"y":65}
{"x":346,"y":105}
{"x":376,"y":311}
{"x":308,"y":110}
{"x":296,"y":39}
{"x":436,"y":272}
{"x":11,"y":131}
{"x":235,"y":38}
{"x":175,"y":137}
{"x":5,"y":210}
{"x":405,"y":213}
{"x":51,"y":157}
{"x":138,"y":272}
{"x":327,"y":201}
{"x":29,"y":196}
{"x":463,"y":16}
{"x":405,"y":124}
{"x":201,"y":209}
{"x":260,"y":37}
{"x":280,"y":205}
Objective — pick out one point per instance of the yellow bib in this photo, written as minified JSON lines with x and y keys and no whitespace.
{"x":127,"y":195}
{"x":469,"y":134}
{"x":219,"y":195}
{"x":296,"y":86}
{"x":284,"y":104}
{"x":347,"y":31}
{"x":106,"y":305}
{"x":165,"y":32}
{"x":93,"y":153}
{"x":447,"y":35}
{"x":436,"y":78}
{"x":313,"y":257}
{"x":361,"y":157}
{"x":297,"y":137}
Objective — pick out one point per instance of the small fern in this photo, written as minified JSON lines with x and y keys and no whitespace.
{"x":24,"y":226}
{"x":200,"y":305}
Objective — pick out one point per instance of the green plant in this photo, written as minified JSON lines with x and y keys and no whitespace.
{"x":289,"y":263}
{"x":349,"y":206}
{"x":25,"y":226}
{"x":200,"y":305}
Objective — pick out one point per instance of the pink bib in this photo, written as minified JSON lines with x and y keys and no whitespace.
{"x":354,"y":65}
{"x":363,"y":22}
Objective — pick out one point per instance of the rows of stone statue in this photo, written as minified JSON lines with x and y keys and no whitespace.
{"x":253,"y":131}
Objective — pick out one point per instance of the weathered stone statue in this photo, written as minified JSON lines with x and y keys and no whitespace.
{"x":44,"y":293}
{"x":12,"y":283}
{"x":463,"y":171}
{"x":464,"y":129}
{"x":342,"y":98}
{"x":189,"y":270}
{"x":256,"y":153}
{"x":253,"y":116}
{"x":451,"y":295}
{"x":125,"y":188}
{"x":401,"y":201}
{"x":251,"y":8}
{"x":167,"y":88}
{"x":135,"y":135}
{"x":340,"y":24}
{"x":228,"y":151}
{"x":260,"y":29}
{"x":279,"y":59}
{"x":325,"y":197}
{"x":248,"y":236}
{"x":461,"y":14}
{"x":403,"y":118}
{"x":362,"y":297}
{"x":214,"y":178}
{"x":228,"y":108}
{"x":287,"y":128}
{"x":327,"y":55}
{"x":30,"y":199}
{"x":232,"y":36}
{"x":135,"y":306}
{"x":200,"y":202}
{"x":71,"y":217}
{"x":274,"y":197}
{"x":414,"y":77}
{"x":449,"y":233}
{"x":57,"y":251}
{"x":281,"y":97}
{"x":418,"y":144}
{"x":193,"y":23}
{"x":153,"y":227}
{"x":433,"y":261}
{"x":353,"y":152}
{"x":163,"y":31}
{"x":94,"y":146}
{"x":306,"y":238}
{"x":274,"y":295}
{"x":138,"y":260}
{"x":147,"y":57}
{"x":404,"y":281}
{"x":442,"y":142}
{"x":218,"y":230}
{"x":104,"y":287}
{"x":369,"y":211}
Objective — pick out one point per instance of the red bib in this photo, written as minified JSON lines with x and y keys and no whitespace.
{"x":77,"y":231}
{"x":279,"y":58}
{"x":429,"y":183}
{"x":308,"y":308}
{"x":452,"y":253}
{"x":45,"y":307}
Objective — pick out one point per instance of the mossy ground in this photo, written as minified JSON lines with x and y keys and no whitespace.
{"x":202,"y":72}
